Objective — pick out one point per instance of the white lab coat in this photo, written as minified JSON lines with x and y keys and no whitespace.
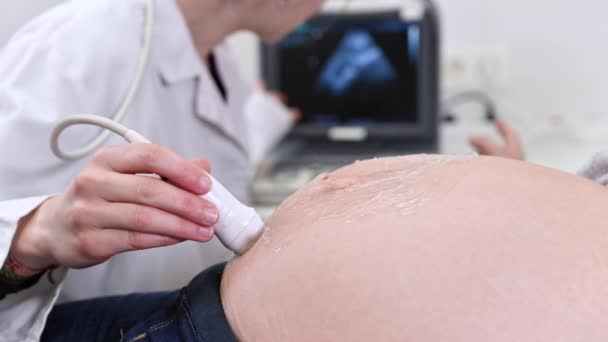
{"x":80,"y":58}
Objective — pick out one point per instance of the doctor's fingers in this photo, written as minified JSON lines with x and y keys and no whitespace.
{"x":148,"y":158}
{"x":153,"y":192}
{"x":145,"y":220}
{"x":203,"y":164}
{"x":109,"y":242}
{"x":296,"y":114}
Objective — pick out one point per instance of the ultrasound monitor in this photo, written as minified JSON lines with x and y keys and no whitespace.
{"x":371,"y":71}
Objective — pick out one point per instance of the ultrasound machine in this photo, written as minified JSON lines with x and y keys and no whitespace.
{"x":367,"y":85}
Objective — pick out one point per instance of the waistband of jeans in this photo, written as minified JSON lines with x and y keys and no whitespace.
{"x":205,"y":304}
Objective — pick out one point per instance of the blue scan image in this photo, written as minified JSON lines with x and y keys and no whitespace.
{"x":357,"y":59}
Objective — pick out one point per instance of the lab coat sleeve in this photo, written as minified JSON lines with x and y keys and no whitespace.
{"x":597,"y":169}
{"x":74,"y":59}
{"x":268,"y":121}
{"x":23,"y":315}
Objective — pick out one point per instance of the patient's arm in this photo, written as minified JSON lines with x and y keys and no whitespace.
{"x":429,"y":249}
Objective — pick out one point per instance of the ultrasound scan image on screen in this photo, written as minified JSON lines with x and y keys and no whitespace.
{"x":360,"y":72}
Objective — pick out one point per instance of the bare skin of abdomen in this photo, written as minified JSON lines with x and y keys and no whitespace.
{"x":429,"y":248}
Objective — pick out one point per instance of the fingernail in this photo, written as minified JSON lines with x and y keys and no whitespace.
{"x":210,"y":216}
{"x":206,"y":183}
{"x":206,"y":233}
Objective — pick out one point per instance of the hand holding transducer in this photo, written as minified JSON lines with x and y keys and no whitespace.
{"x":110,"y":208}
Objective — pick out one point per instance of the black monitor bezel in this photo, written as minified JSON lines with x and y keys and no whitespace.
{"x":425,"y":129}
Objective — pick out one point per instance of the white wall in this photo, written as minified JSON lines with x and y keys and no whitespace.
{"x":558,"y":69}
{"x":555,"y":53}
{"x":557,"y":49}
{"x":554,"y":56}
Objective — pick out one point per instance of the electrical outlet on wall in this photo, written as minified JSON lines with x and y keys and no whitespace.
{"x":481,"y":68}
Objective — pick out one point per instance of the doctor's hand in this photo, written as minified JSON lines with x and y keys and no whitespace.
{"x":110,"y":209}
{"x":294,"y":112}
{"x":512,"y":147}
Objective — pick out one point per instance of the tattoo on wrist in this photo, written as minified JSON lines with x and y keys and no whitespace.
{"x":15,"y":272}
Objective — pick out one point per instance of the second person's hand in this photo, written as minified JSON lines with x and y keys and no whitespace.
{"x":511,"y":148}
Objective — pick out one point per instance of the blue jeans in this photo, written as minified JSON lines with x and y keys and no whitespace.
{"x":194,"y":313}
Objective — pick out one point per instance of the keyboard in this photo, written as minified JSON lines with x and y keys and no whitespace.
{"x":292,"y":171}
